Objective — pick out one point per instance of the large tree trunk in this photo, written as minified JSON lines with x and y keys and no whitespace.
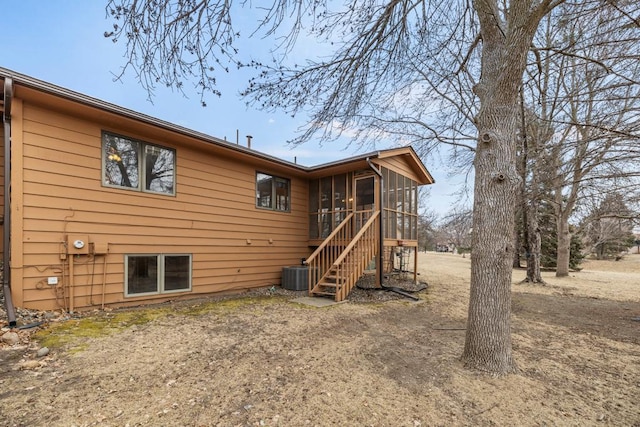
{"x":517,"y":245}
{"x":530,"y":213}
{"x":564,"y":247}
{"x":534,"y":244}
{"x":488,"y":339}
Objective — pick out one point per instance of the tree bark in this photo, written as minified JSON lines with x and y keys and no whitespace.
{"x":530,"y":205}
{"x":564,"y":247}
{"x":516,"y":252}
{"x":534,"y":243}
{"x":563,"y":206}
{"x":506,"y":39}
{"x":488,"y":339}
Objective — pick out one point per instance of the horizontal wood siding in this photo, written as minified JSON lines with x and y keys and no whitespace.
{"x":1,"y":185}
{"x":234,"y":245}
{"x":399,"y":165}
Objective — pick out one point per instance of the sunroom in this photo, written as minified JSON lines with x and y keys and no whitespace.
{"x":363,"y":214}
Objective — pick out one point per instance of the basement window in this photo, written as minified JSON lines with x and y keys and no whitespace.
{"x":137,"y":165}
{"x":273,"y":192}
{"x":157,"y":274}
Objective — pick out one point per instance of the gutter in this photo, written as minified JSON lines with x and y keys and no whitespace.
{"x":33,"y":83}
{"x":51,"y":89}
{"x":6,"y":224}
{"x":380,"y":262}
{"x":39,"y":85}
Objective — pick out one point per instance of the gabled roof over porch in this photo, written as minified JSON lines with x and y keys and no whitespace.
{"x":406,"y":155}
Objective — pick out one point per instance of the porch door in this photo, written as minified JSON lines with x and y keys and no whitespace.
{"x":365,"y":201}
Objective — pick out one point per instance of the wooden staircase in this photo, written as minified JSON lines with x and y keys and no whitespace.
{"x":338,"y":263}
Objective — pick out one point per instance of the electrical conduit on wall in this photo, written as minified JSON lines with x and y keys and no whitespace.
{"x":6,"y":244}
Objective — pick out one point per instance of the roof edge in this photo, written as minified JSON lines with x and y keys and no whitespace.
{"x":52,"y":89}
{"x":40,"y":85}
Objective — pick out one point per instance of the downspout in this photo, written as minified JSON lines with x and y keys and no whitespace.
{"x":380,"y":262}
{"x":6,"y":224}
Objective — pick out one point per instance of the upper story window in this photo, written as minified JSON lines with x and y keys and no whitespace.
{"x":137,"y":165}
{"x":273,"y":192}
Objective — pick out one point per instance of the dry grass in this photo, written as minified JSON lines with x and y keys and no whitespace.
{"x":391,"y":363}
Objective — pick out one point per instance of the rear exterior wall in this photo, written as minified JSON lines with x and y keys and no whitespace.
{"x":1,"y":185}
{"x":58,"y":192}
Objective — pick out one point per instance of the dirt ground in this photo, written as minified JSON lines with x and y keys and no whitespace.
{"x":377,"y":360}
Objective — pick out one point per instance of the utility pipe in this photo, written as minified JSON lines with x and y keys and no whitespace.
{"x":64,"y":281}
{"x":104,"y":277}
{"x":71,"y":282}
{"x":6,"y":225}
{"x":380,"y":263}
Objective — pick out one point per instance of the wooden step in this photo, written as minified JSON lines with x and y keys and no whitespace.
{"x":323,"y":288}
{"x":324,"y":294}
{"x":329,"y":285}
{"x":334,"y":278}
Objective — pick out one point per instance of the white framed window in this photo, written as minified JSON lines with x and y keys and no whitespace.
{"x":137,"y":165}
{"x":273,"y":192}
{"x":149,"y":274}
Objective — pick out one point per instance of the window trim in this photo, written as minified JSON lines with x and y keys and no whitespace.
{"x":141,"y":187}
{"x":274,"y":180}
{"x":160,"y":280}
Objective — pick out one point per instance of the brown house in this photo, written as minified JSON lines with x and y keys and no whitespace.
{"x":107,"y":206}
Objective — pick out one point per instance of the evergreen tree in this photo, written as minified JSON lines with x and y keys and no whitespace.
{"x":549,"y":238}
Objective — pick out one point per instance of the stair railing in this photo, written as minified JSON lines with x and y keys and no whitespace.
{"x":321,"y":260}
{"x":355,"y":257}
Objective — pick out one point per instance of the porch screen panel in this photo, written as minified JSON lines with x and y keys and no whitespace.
{"x":401,"y":206}
{"x":329,"y":204}
{"x":392,"y":190}
{"x":314,"y":204}
{"x":326,"y":220}
{"x":407,"y":226}
{"x":414,"y":228}
{"x":340,"y":198}
{"x":407,"y":195}
{"x":365,"y":200}
{"x":392,"y":230}
{"x":400,"y":193}
{"x":385,"y":200}
{"x":414,"y":210}
{"x":400,"y":225}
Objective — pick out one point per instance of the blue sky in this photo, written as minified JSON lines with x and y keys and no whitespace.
{"x":62,"y":42}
